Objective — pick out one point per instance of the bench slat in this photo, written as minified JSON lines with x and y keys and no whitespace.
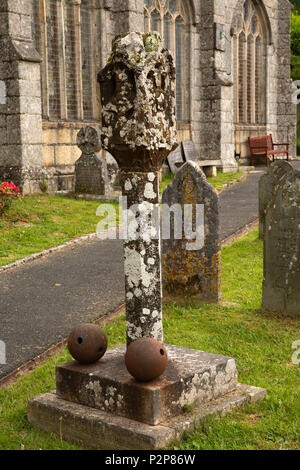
{"x":264,"y":147}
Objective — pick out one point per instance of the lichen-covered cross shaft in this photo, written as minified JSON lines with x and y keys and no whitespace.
{"x":139,"y":130}
{"x":142,"y":256}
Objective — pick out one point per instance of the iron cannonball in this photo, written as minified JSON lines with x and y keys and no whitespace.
{"x":146,"y":359}
{"x":87,"y":343}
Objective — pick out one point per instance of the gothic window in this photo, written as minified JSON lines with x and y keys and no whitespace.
{"x":170,"y":19}
{"x":250,"y":67}
{"x":62,"y":32}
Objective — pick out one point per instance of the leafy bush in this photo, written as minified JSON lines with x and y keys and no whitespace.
{"x":8,"y":192}
{"x":295,"y":46}
{"x":296,"y":4}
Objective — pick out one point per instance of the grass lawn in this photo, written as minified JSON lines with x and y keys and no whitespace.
{"x":225,"y":178}
{"x":167,"y":179}
{"x":36,"y":223}
{"x":261,"y":343}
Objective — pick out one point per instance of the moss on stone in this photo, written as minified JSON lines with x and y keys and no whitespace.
{"x":152,"y":42}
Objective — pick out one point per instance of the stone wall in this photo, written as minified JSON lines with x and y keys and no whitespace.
{"x":20,"y":108}
{"x":286,"y":111}
{"x":60,"y":150}
{"x":218,"y":133}
{"x":210,"y":131}
{"x":280,"y":112}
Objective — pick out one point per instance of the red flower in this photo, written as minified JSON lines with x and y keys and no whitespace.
{"x":8,"y":192}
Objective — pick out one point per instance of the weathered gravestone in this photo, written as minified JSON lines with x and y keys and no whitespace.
{"x":267,"y":184}
{"x":189,"y":151}
{"x":175,"y":159}
{"x":192,"y":268}
{"x":101,"y":405}
{"x":281,"y":285}
{"x":190,"y":154}
{"x":94,"y":174}
{"x":185,"y":152}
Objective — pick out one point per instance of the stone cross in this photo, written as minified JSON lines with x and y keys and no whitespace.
{"x":89,"y":167}
{"x":139,"y":130}
{"x":192,"y":268}
{"x":281,"y":292}
{"x":94,"y":174}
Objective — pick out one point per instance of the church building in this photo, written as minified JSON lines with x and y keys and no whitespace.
{"x":233,"y":81}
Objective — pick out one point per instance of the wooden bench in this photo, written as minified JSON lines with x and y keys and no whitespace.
{"x":264,"y":147}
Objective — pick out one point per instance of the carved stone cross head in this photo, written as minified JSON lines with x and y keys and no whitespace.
{"x":138,"y":102}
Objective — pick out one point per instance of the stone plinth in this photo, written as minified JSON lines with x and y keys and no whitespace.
{"x":96,"y":429}
{"x":192,"y":378}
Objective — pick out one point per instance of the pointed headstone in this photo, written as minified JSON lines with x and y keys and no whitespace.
{"x":191,"y":267}
{"x":281,"y":284}
{"x":267,"y":183}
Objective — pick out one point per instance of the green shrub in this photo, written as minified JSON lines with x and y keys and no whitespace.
{"x":295,"y":46}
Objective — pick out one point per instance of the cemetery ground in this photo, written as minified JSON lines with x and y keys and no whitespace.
{"x":39,"y":222}
{"x":261,"y":342}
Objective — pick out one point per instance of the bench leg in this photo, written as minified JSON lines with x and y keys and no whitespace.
{"x":210,"y":171}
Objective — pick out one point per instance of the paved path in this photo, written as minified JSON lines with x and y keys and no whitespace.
{"x":40,"y":302}
{"x":239,"y":205}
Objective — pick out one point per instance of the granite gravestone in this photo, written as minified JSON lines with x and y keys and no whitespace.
{"x":267,"y":183}
{"x":94,"y":174}
{"x":192,"y":270}
{"x":281,"y":284}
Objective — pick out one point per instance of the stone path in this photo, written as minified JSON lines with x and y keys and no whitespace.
{"x":40,"y":302}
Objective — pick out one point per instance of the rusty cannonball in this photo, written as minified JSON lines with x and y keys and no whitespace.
{"x":87,"y":343}
{"x":146,"y":359}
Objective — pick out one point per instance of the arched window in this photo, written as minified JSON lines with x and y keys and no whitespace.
{"x":63,"y":35}
{"x":250,"y":67}
{"x":170,"y":19}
